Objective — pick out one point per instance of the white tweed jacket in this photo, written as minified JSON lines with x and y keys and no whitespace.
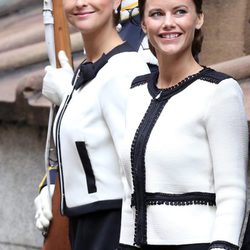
{"x":88,"y":131}
{"x":184,"y":159}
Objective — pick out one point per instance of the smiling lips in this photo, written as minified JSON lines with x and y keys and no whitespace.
{"x":170,"y":36}
{"x":84,"y":13}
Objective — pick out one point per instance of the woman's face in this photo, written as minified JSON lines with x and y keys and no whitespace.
{"x":170,"y":25}
{"x":89,"y":16}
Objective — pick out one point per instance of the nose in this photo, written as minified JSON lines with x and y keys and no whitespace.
{"x":80,"y":3}
{"x":168,"y":21}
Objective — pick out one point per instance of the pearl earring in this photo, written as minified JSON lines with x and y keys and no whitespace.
{"x":118,"y":27}
{"x":116,"y":11}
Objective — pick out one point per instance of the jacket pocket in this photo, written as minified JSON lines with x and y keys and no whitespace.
{"x":86,"y":163}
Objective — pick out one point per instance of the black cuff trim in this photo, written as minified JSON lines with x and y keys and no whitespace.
{"x":223,"y":244}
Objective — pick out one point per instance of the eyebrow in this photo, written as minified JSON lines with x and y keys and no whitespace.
{"x":156,"y":8}
{"x":181,"y":6}
{"x":174,"y":8}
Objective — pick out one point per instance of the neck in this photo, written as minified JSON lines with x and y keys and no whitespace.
{"x":95,"y":44}
{"x":173,"y":69}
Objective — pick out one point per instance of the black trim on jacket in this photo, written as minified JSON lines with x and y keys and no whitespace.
{"x":159,"y":99}
{"x":192,"y":198}
{"x":98,"y":205}
{"x":223,"y":244}
{"x":93,"y":207}
{"x":87,"y":167}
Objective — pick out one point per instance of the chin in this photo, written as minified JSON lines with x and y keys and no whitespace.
{"x":172,"y":50}
{"x":84,"y":28}
{"x":169,"y":52}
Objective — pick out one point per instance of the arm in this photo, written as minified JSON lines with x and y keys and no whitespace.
{"x":227,"y":132}
{"x":56,"y":84}
{"x":42,"y":202}
{"x":57,"y":81}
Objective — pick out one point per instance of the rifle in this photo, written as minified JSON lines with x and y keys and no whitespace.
{"x":57,"y":38}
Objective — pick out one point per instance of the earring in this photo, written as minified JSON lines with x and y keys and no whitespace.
{"x":116,"y":11}
{"x":118,"y":27}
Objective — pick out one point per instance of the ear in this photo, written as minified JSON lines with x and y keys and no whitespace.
{"x":200,"y":21}
{"x":116,"y":4}
{"x":143,"y":26}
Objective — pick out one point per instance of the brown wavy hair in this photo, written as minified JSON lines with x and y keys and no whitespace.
{"x":116,"y":16}
{"x":198,"y":35}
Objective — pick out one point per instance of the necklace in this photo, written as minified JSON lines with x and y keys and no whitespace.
{"x":160,"y":93}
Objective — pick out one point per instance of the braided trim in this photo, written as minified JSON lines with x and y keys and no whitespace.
{"x":214,"y":76}
{"x":140,"y":80}
{"x":138,"y":147}
{"x":185,"y":199}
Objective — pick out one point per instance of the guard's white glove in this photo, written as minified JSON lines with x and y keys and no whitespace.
{"x":57,"y":81}
{"x":43,"y":207}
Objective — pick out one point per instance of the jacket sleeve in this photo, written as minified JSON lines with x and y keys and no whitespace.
{"x":227,"y":132}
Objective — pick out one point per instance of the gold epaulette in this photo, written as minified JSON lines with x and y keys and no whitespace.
{"x":129,"y":8}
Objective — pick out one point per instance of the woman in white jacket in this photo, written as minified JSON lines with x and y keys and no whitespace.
{"x":89,"y":125}
{"x":186,"y":142}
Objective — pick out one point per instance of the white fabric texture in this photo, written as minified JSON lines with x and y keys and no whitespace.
{"x":198,"y":144}
{"x":95,"y":115}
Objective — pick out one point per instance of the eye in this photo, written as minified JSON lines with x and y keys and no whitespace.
{"x":180,"y":12}
{"x":156,"y":13}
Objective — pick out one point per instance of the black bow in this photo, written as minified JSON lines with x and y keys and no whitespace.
{"x":89,"y":70}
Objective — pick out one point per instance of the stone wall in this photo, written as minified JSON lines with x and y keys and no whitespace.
{"x":226,"y":30}
{"x":21,"y":169}
{"x":7,"y":6}
{"x":247,"y":29}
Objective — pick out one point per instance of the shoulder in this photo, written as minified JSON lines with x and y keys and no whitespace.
{"x":220,"y":82}
{"x":127,"y":64}
{"x":119,"y":72}
{"x":223,"y":92}
{"x":213,"y":76}
{"x":127,"y":56}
